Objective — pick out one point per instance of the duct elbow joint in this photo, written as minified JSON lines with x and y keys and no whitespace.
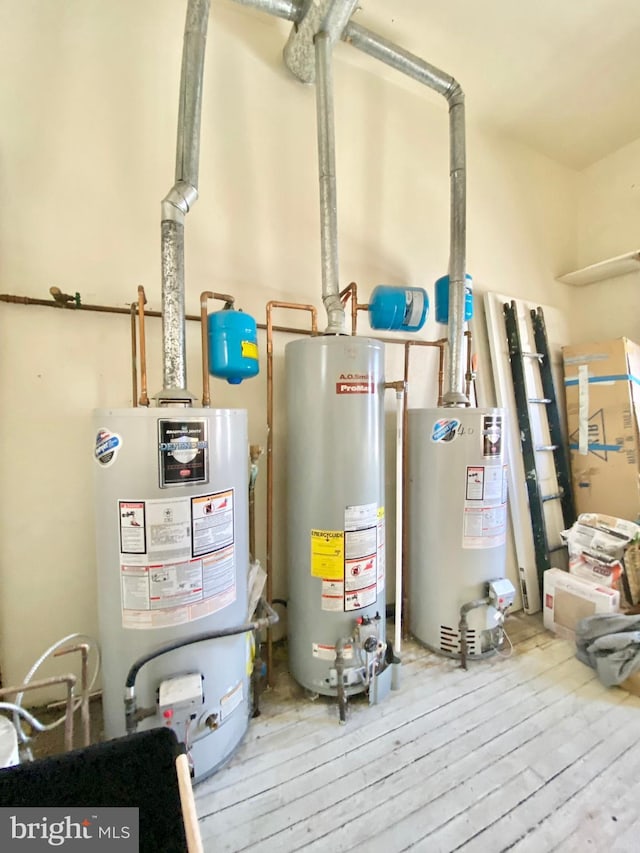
{"x":453,"y":399}
{"x":179,"y":201}
{"x":335,"y":315}
{"x":455,"y":95}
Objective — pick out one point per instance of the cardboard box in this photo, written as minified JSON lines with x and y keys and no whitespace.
{"x":568,"y":598}
{"x":602,"y":388}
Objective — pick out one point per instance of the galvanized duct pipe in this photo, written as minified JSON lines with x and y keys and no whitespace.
{"x":327,"y":180}
{"x":409,"y":64}
{"x":290,"y":10}
{"x":316,"y":16}
{"x":181,"y":197}
{"x":333,"y":17}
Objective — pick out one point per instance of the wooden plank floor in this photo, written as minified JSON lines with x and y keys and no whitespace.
{"x":527,"y":753}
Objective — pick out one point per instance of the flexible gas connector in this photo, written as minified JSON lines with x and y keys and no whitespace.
{"x":132,"y":714}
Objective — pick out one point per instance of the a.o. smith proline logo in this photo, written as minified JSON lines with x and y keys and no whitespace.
{"x":355,"y":383}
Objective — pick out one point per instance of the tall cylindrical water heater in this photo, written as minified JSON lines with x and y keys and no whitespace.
{"x":457,"y":524}
{"x":172,"y":545}
{"x":335,"y":517}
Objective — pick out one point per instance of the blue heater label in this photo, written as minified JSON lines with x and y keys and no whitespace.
{"x":107,"y":446}
{"x":446,"y":429}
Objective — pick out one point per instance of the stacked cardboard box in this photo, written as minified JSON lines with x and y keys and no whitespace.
{"x":602,"y":386}
{"x":568,"y":598}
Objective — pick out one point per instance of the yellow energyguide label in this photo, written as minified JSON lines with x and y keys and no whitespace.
{"x":380,"y":512}
{"x":249,"y":349}
{"x":327,"y":554}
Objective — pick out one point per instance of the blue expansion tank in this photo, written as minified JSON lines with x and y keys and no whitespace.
{"x":233,"y":345}
{"x":398,"y":308}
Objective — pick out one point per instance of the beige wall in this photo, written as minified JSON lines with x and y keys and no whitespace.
{"x":87,"y":152}
{"x":608,"y":225}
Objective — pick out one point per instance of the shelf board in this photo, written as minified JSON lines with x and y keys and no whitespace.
{"x":611,"y":268}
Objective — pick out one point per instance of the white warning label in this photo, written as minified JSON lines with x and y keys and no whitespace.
{"x":360,"y":574}
{"x":322,"y":651}
{"x":484,"y":523}
{"x":360,"y":543}
{"x":177,"y":559}
{"x":484,"y":527}
{"x":360,"y":598}
{"x":332,"y":596}
{"x":360,"y":517}
{"x":230,"y":701}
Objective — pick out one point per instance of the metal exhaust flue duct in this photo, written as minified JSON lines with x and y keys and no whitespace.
{"x":177,"y":203}
{"x":334,"y":18}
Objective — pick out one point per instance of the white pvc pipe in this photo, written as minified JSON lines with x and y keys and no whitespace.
{"x":399,"y":518}
{"x":83,"y":638}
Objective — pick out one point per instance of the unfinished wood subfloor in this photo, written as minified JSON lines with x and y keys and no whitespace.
{"x":528,"y":753}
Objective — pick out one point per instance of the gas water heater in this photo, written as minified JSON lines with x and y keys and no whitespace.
{"x":457,"y":529}
{"x":335,"y":518}
{"x":172,"y":506}
{"x":172,"y":544}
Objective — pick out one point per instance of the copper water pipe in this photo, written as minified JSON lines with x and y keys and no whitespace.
{"x":255,"y":452}
{"x":83,"y":648}
{"x":73,"y":308}
{"x":134,"y":356}
{"x":142,"y":301}
{"x":70,"y":680}
{"x":314,"y":331}
{"x":351,"y":290}
{"x":441,"y":345}
{"x":469,"y":375}
{"x":205,"y":296}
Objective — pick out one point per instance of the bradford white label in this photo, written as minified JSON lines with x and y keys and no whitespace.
{"x":445,"y":429}
{"x":107,"y":446}
{"x":182,"y":452}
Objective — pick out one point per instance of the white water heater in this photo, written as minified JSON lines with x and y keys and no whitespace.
{"x":457,"y":517}
{"x":335,"y":515}
{"x":172,"y":548}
